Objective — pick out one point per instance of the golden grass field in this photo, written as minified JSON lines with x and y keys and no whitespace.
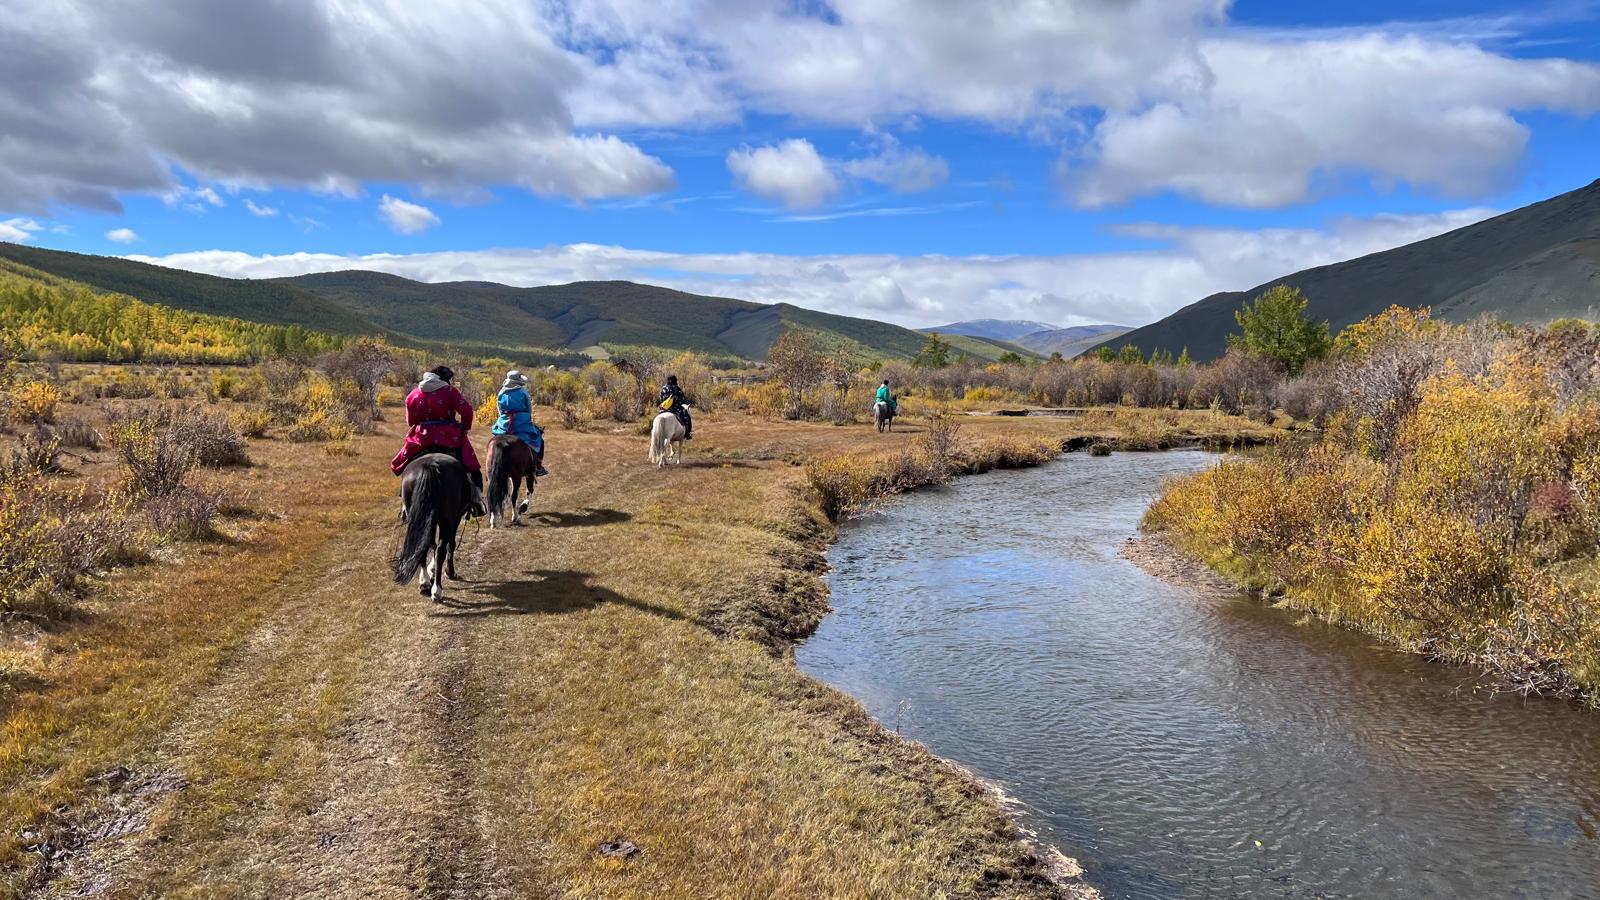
{"x":268,"y":715}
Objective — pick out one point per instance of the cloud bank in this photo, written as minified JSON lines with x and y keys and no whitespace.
{"x":1130,"y":287}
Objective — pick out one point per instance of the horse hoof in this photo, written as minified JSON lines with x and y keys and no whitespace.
{"x":425,"y":591}
{"x":522,"y":507}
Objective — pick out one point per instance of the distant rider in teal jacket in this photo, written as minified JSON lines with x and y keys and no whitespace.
{"x":516,"y":417}
{"x":884,"y":396}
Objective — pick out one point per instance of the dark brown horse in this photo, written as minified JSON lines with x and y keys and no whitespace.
{"x":435,"y":496}
{"x":511,"y":465}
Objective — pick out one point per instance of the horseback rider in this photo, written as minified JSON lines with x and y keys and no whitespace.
{"x":679,"y":405}
{"x":516,"y":417}
{"x":431,"y":411}
{"x":885,"y":396}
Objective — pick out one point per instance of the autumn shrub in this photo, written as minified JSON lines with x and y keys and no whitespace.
{"x":768,"y":400}
{"x":185,"y":514}
{"x":319,"y":415}
{"x":155,"y":456}
{"x":217,"y":443}
{"x":616,"y":392}
{"x":51,"y":539}
{"x":840,"y":407}
{"x":38,"y":452}
{"x":34,"y":402}
{"x":1456,"y":477}
{"x":251,"y":421}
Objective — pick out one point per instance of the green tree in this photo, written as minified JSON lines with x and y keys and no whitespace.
{"x":796,"y":364}
{"x":1183,"y":359}
{"x":1105,"y":354}
{"x":935,"y":353}
{"x":1130,"y":356}
{"x":1277,"y":327}
{"x":1010,"y":358}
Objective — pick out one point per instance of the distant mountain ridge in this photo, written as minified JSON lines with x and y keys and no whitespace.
{"x":993,"y":329}
{"x":1530,"y":265}
{"x":1036,"y":337}
{"x":489,"y":318}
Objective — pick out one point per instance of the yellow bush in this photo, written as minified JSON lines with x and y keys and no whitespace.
{"x":252,"y":421}
{"x":1447,"y":537}
{"x":767,"y":400}
{"x":322,"y":417}
{"x":35,"y":402}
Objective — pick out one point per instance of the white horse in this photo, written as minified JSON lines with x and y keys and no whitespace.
{"x":666,"y":440}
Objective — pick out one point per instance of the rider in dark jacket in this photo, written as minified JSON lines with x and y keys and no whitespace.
{"x":680,"y":404}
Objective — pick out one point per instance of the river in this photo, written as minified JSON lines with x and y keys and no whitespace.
{"x":1180,"y":746}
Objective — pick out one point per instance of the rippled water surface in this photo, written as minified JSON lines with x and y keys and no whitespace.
{"x":1158,"y":736}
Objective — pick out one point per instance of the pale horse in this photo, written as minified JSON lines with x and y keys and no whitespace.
{"x":666,"y":440}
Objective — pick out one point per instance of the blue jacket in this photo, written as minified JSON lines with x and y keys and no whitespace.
{"x":516,"y":417}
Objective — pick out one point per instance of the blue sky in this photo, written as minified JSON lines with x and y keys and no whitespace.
{"x":917,"y":162}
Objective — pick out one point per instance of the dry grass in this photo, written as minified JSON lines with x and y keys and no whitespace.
{"x":286,"y":722}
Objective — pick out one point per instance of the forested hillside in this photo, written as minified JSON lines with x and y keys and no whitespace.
{"x":54,"y":317}
{"x":543,"y":322}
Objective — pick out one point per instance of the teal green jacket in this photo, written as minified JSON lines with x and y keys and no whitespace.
{"x":884,"y":396}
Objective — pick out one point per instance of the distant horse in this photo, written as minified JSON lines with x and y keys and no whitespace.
{"x":510,"y":466}
{"x":666,"y":440}
{"x":435,"y":495}
{"x":883,"y":416}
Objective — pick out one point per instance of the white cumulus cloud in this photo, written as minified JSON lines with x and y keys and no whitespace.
{"x":1132,"y":287}
{"x":792,"y":173}
{"x":122,"y":235}
{"x":406,"y":217}
{"x":18,"y":230}
{"x":259,"y":210}
{"x":795,"y":174}
{"x":1278,"y":115}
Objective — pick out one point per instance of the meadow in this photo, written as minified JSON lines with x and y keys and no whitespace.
{"x":210,"y":680}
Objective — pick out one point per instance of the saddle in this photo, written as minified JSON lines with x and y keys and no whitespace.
{"x":452,"y":452}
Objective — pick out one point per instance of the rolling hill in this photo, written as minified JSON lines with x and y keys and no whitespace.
{"x":1530,"y":265}
{"x":1069,"y":342}
{"x":489,"y":318}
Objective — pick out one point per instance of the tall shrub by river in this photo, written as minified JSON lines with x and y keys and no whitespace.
{"x":1451,"y":502}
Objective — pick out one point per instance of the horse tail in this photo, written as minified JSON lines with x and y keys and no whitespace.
{"x":658,"y":440}
{"x":499,"y":478}
{"x":419,"y":527}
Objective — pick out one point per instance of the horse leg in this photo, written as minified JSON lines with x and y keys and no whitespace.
{"x":447,"y":550}
{"x":523,"y":506}
{"x":516,"y":506}
{"x":425,"y":572}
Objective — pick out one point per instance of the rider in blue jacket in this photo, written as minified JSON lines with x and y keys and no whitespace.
{"x":516,"y":417}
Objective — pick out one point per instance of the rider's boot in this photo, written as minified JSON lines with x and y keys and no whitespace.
{"x":478,"y":507}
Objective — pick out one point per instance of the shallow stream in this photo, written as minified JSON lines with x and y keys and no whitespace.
{"x":1188,"y":747}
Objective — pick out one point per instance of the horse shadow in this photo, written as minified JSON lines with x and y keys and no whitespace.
{"x":548,"y":592}
{"x":587,"y":518}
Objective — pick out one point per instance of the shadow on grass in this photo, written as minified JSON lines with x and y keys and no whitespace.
{"x":587,"y":518}
{"x":547,"y":592}
{"x":714,"y":463}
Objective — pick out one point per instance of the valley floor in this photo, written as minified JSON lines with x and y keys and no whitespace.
{"x":274,"y":717}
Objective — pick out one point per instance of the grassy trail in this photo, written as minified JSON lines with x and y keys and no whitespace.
{"x":587,"y":684}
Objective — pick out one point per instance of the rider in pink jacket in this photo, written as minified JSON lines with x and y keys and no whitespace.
{"x":432,"y":409}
